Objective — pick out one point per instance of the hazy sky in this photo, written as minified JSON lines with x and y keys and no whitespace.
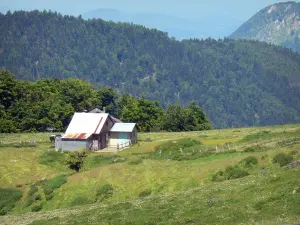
{"x":241,"y":9}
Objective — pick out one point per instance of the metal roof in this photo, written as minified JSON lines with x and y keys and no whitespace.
{"x":123,"y":127}
{"x":87,"y":123}
{"x":80,"y":136}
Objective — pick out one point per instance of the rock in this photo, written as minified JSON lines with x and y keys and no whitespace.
{"x":296,"y":190}
{"x":263,"y":171}
{"x":294,"y":164}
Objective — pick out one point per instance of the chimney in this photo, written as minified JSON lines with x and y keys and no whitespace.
{"x":103,"y":109}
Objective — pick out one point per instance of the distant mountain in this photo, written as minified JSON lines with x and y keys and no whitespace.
{"x":181,"y":28}
{"x":277,"y":24}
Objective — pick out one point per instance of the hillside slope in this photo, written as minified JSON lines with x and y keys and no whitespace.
{"x":237,"y":83}
{"x":277,"y":24}
{"x":216,"y":173}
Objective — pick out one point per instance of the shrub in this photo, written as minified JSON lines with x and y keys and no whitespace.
{"x":37,"y":197}
{"x":283,"y":159}
{"x":145,"y":193}
{"x":75,"y":160}
{"x":135,"y":162}
{"x":219,"y":176}
{"x":48,"y":191}
{"x":230,"y":173}
{"x":249,"y":161}
{"x":36,"y":208}
{"x":49,"y":197}
{"x":80,"y":200}
{"x":29,"y":201}
{"x":32,"y":190}
{"x":235,"y":173}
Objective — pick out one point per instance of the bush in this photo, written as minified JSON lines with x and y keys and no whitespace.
{"x":80,"y":200}
{"x":249,"y":161}
{"x":33,"y":189}
{"x":29,"y":201}
{"x":37,"y":197}
{"x":49,"y":197}
{"x":48,"y":191}
{"x":36,"y":208}
{"x":145,"y":193}
{"x":135,"y":162}
{"x":235,"y":173}
{"x":283,"y":159}
{"x":75,"y":160}
{"x":230,"y":173}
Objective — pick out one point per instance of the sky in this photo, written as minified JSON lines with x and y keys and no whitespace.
{"x":240,"y":9}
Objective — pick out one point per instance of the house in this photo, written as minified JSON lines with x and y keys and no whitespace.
{"x":97,"y":130}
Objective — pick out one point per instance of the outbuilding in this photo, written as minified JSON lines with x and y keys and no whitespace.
{"x":97,"y":130}
{"x":123,"y":135}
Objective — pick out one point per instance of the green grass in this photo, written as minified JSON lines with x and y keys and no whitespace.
{"x":8,"y":199}
{"x":150,"y":185}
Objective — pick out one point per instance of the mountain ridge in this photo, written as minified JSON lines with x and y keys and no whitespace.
{"x":277,"y":24}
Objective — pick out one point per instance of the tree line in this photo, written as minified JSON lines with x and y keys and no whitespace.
{"x":49,"y":104}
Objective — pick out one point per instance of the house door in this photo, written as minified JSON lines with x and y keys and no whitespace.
{"x":123,"y":140}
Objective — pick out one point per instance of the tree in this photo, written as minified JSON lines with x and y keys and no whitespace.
{"x":75,"y":159}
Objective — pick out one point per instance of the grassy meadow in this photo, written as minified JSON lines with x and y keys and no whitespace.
{"x":209,"y":177}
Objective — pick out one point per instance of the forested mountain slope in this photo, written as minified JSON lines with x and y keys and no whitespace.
{"x":277,"y":24}
{"x":237,"y":83}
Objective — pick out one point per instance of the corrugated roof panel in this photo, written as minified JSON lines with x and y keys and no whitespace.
{"x":123,"y":127}
{"x":79,"y":136}
{"x":88,"y":123}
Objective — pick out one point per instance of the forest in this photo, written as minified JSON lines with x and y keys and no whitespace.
{"x":49,"y":104}
{"x":236,"y":82}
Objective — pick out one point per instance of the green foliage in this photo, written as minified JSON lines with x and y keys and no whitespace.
{"x":105,"y":191}
{"x":33,"y":189}
{"x":8,"y":199}
{"x":56,"y":182}
{"x":249,"y":161}
{"x":99,"y":160}
{"x":75,"y":160}
{"x":135,"y":162}
{"x":231,"y":172}
{"x":81,"y":200}
{"x":145,"y":193}
{"x":257,"y":136}
{"x":36,"y":208}
{"x":29,"y":200}
{"x":50,"y":103}
{"x":192,"y":118}
{"x":52,"y":158}
{"x":283,"y":159}
{"x":236,"y":82}
{"x":293,"y":152}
